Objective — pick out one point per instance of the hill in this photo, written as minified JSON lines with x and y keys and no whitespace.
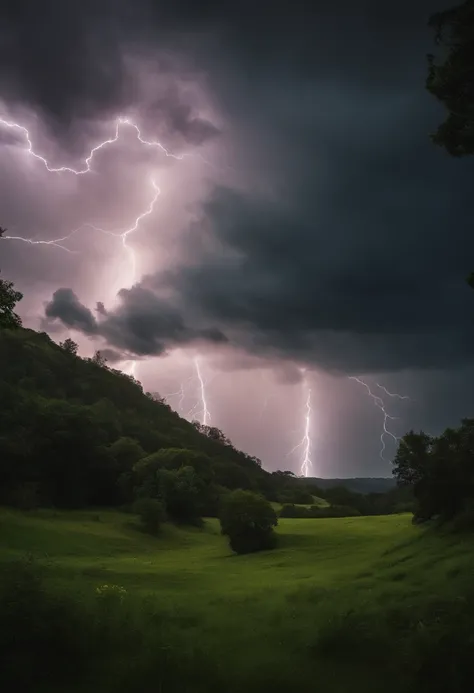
{"x":363,"y":604}
{"x":72,"y":429}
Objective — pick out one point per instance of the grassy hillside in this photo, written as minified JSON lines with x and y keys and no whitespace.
{"x":365,"y":604}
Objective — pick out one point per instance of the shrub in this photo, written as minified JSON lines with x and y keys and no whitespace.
{"x":151,"y":514}
{"x":247,"y":519}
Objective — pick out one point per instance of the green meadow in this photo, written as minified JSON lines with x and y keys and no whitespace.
{"x":360,"y":603}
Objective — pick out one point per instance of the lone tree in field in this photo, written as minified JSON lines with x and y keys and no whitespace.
{"x":8,"y":300}
{"x":248,"y":519}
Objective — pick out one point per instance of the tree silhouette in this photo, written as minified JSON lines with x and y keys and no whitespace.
{"x":451,"y":81}
{"x":8,"y":300}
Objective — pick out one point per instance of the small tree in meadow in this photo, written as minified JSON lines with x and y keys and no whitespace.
{"x":248,"y":519}
{"x":151,"y":513}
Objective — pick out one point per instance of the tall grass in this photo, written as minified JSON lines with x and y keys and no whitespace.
{"x":359,"y":604}
{"x":106,"y":641}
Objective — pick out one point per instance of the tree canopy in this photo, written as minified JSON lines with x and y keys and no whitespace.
{"x":440,"y":470}
{"x":9,"y":297}
{"x":451,"y":81}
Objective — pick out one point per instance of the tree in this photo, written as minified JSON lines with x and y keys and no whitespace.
{"x":212,"y":432}
{"x":182,"y":492}
{"x":8,"y":300}
{"x":452,"y":80}
{"x":247,"y":519}
{"x":156,"y":397}
{"x":151,"y":513}
{"x":99,"y":359}
{"x":126,"y":453}
{"x":440,"y":470}
{"x":69,"y":346}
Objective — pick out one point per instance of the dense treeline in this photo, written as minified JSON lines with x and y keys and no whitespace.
{"x":342,"y":502}
{"x":441,"y":472}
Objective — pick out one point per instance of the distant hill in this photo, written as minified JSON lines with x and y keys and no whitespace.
{"x":357,"y":484}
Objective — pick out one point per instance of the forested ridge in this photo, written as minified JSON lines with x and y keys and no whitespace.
{"x":72,"y":430}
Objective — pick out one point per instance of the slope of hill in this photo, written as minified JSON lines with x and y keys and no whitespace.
{"x":70,"y":427}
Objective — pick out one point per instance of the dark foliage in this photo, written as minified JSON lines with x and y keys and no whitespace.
{"x":440,"y":470}
{"x":452,"y":80}
{"x":151,"y":513}
{"x":248,"y":519}
{"x":8,"y":300}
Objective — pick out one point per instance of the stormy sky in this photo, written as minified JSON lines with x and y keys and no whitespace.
{"x":296,"y":230}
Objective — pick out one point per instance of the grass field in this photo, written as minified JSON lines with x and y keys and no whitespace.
{"x":357,"y":603}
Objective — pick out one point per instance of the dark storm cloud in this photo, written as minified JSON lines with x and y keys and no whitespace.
{"x":179,"y":118}
{"x":112,"y":356}
{"x":70,"y":63}
{"x":358,"y":260}
{"x":142,"y":325}
{"x":66,"y":307}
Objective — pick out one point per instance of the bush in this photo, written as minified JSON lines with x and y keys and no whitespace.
{"x":247,"y":519}
{"x":151,"y":514}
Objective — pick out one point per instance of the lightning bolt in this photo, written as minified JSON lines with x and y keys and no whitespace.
{"x":181,"y":394}
{"x":200,"y":409}
{"x":124,"y":234}
{"x":203,"y":412}
{"x":56,"y":242}
{"x":391,"y":394}
{"x":59,"y":242}
{"x":88,"y":161}
{"x":380,"y":404}
{"x":305,"y":443}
